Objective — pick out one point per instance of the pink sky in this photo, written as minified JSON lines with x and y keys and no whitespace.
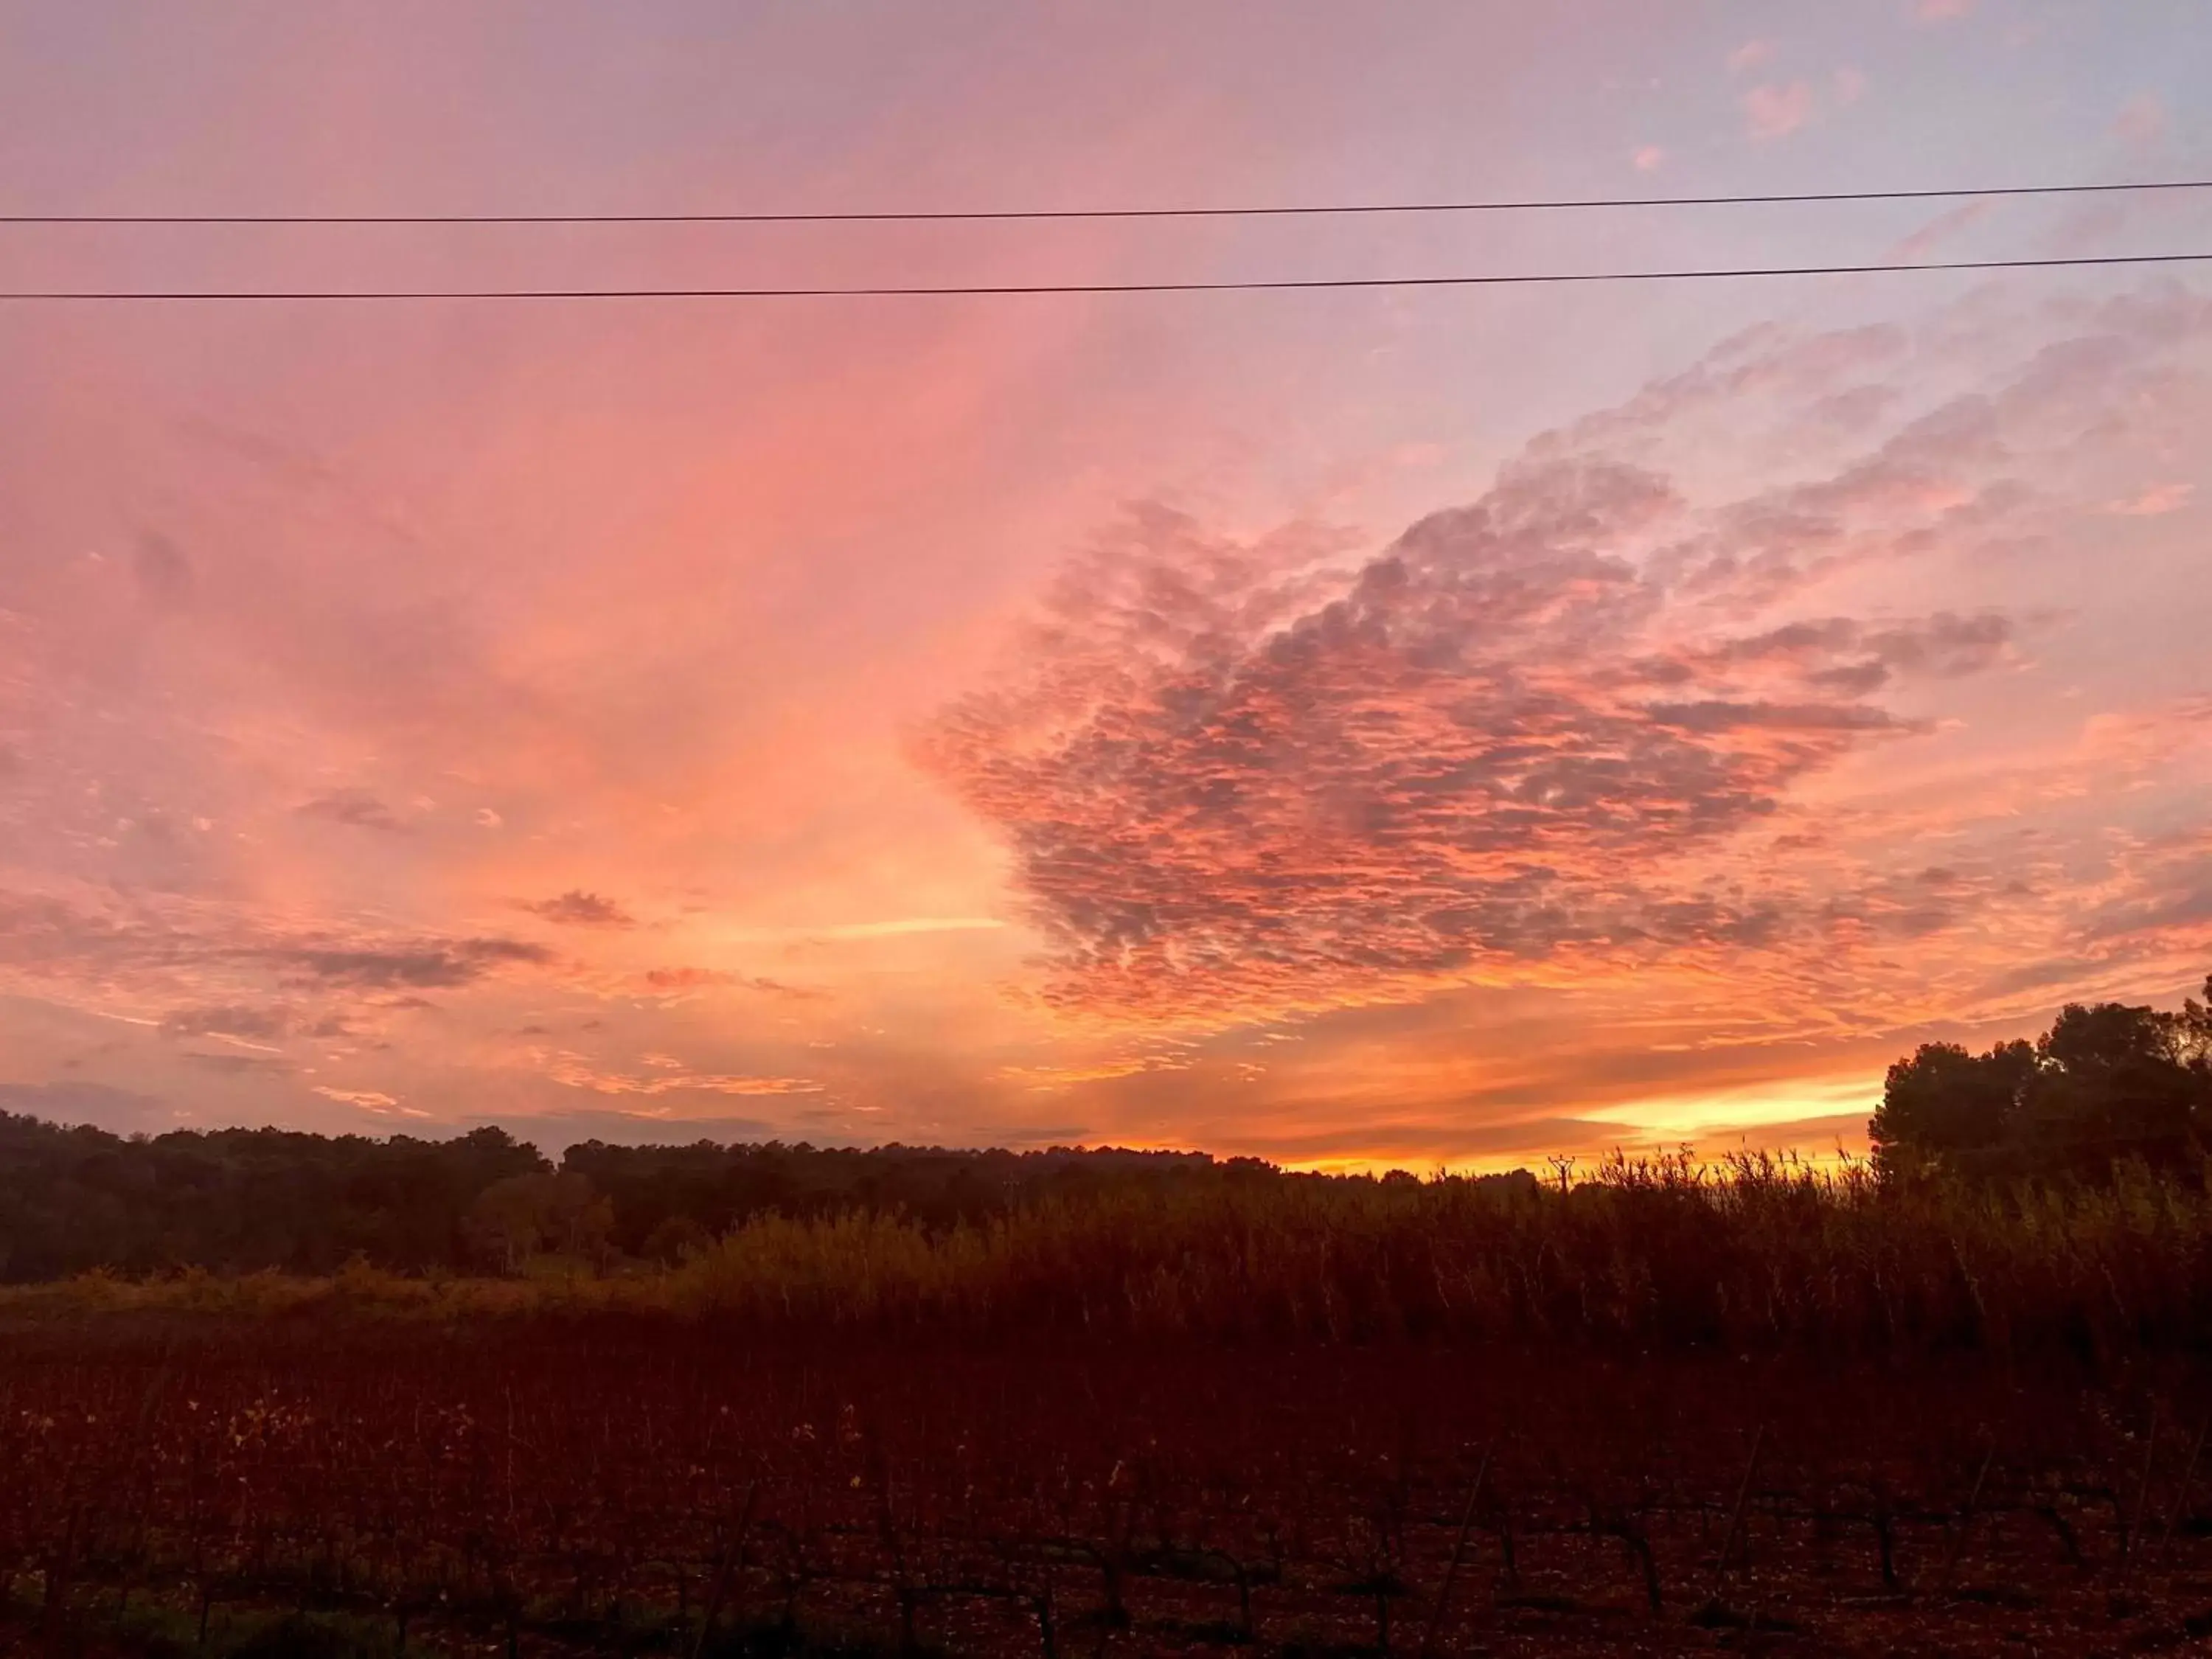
{"x":1355,"y":727}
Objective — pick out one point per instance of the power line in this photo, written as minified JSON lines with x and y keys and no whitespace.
{"x":1310,"y":210}
{"x":1011,"y":290}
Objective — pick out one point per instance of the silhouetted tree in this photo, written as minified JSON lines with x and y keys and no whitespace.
{"x":2108,"y":1083}
{"x":1949,"y":1105}
{"x":2113,"y":1083}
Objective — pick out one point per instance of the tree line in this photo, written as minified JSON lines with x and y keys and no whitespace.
{"x":2108,"y":1085}
{"x":241,"y":1200}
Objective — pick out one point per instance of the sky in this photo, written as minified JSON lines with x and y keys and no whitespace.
{"x":1415,"y":727}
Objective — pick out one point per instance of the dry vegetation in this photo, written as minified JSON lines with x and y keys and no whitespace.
{"x":1751,"y":1255}
{"x":1676,"y":1406}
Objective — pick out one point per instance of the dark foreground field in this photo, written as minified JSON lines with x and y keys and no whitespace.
{"x":324,"y":1485}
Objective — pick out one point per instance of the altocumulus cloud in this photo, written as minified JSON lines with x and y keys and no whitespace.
{"x":1462,"y":754}
{"x":1240,"y":777}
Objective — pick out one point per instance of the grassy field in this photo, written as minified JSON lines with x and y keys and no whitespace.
{"x":1673,"y":1409}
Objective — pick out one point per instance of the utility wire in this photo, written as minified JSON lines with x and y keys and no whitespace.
{"x":999,"y":290}
{"x":1316,"y":210}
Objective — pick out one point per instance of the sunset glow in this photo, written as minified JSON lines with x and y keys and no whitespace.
{"x":1392,"y":728}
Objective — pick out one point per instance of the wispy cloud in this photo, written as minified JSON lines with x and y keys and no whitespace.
{"x":367,"y":1099}
{"x":1941,"y":229}
{"x":2155,"y":502}
{"x":668,"y":1077}
{"x":677,"y":982}
{"x":890,"y":927}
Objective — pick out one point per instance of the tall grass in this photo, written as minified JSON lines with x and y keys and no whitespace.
{"x":1754,"y":1254}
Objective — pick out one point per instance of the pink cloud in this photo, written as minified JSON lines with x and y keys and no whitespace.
{"x":1749,"y":56}
{"x":1649,"y":158}
{"x":1850,"y":85}
{"x":1531,"y":741}
{"x":2141,"y":122}
{"x":1942,"y":11}
{"x":1941,"y":229}
{"x":1474,"y":749}
{"x":1775,"y":111}
{"x":2155,"y":502}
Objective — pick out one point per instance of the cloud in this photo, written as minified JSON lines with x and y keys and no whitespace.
{"x":2165,"y":904}
{"x":358,"y":807}
{"x":215,"y":965}
{"x":1841,"y":654}
{"x":2155,"y":502}
{"x":1850,"y":85}
{"x":1649,"y":158}
{"x":897,"y":927}
{"x":1750,"y":55}
{"x":1718,"y":715}
{"x":1169,"y":1056}
{"x":1537,"y":738}
{"x":1775,"y":111}
{"x":577,"y":908}
{"x":2141,"y":122}
{"x":1941,"y":229}
{"x":672,"y":1077}
{"x":1942,"y":11}
{"x":667,"y":981}
{"x":369,"y":1100}
{"x":1458,"y":757}
{"x":232,"y":1020}
{"x":456,"y":962}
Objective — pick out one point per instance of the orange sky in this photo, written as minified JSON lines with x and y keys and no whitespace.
{"x":1366,"y":727}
